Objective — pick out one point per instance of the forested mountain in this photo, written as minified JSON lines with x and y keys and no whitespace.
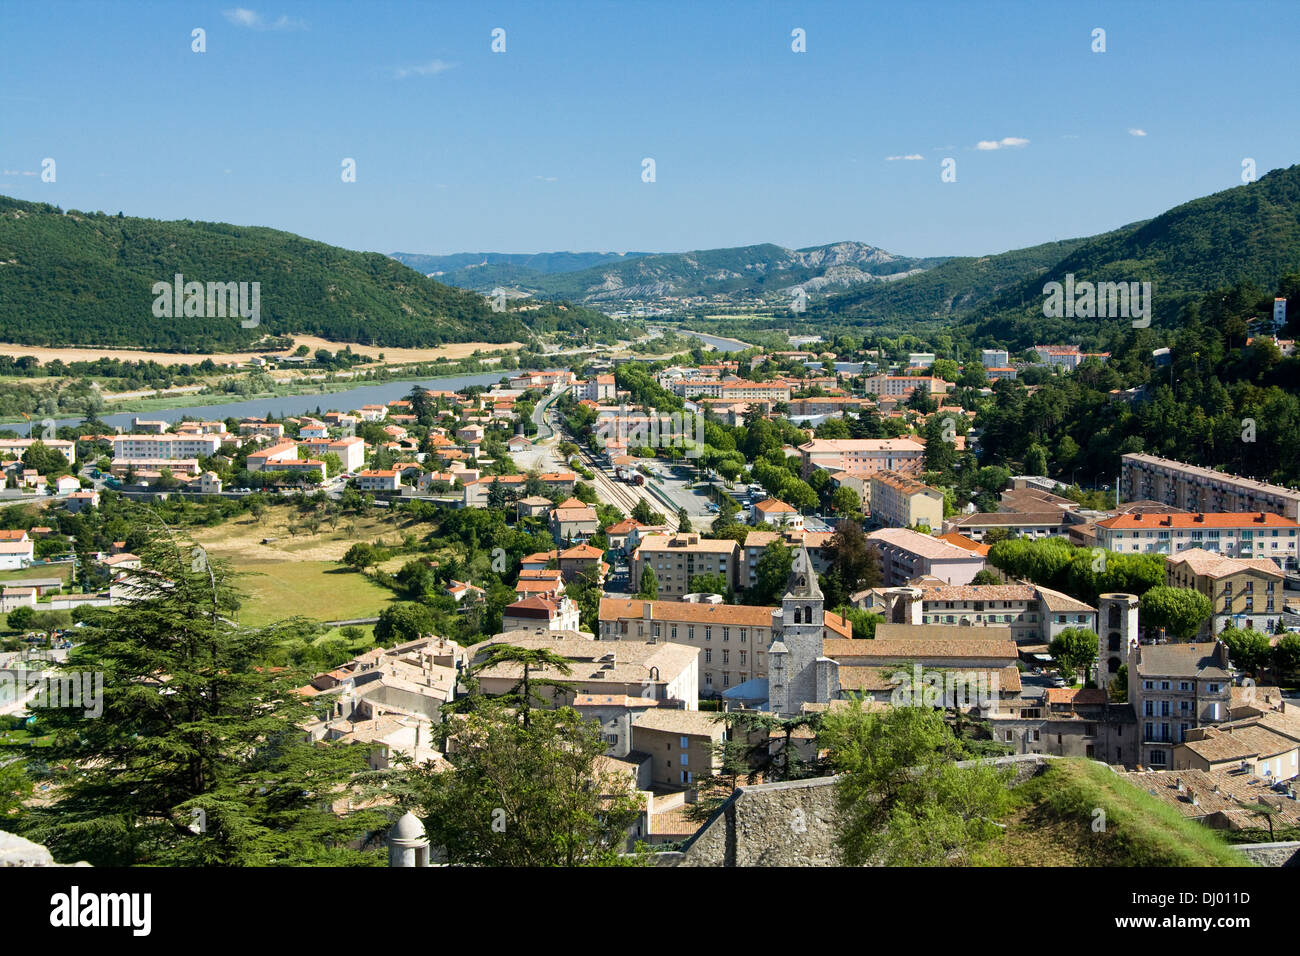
{"x":1250,"y":233}
{"x":746,"y":273}
{"x":74,"y":278}
{"x":484,"y":270}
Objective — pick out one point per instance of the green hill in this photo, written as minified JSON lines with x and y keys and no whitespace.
{"x":1057,"y":824}
{"x":1250,"y":233}
{"x":73,"y":278}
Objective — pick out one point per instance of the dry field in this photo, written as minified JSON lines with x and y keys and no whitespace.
{"x":458,"y":350}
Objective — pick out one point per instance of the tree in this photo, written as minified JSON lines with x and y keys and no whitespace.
{"x":515,"y":795}
{"x":402,"y":622}
{"x":362,"y":555}
{"x":758,"y":728}
{"x":1075,"y":649}
{"x":845,"y":500}
{"x":646,"y":515}
{"x":902,"y":799}
{"x":521,"y":695}
{"x":987,"y":576}
{"x":649,"y":586}
{"x":21,"y":618}
{"x":683,"y":521}
{"x":1286,"y":656}
{"x":711,"y":583}
{"x":1247,"y":649}
{"x":1180,"y":611}
{"x":194,"y":727}
{"x":772,"y":572}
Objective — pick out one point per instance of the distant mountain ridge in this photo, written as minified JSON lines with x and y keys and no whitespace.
{"x":745,"y":273}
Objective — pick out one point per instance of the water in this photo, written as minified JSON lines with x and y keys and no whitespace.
{"x":280,"y":406}
{"x":722,"y":345}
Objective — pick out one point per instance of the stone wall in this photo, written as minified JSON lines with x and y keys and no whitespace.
{"x":1270,"y":854}
{"x":15,"y":851}
{"x":790,"y":824}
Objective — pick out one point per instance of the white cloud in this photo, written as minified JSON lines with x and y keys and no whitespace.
{"x":1007,"y":142}
{"x":1137,"y":132}
{"x":892,"y":159}
{"x":252,"y":20}
{"x":547,"y":179}
{"x":432,"y":68}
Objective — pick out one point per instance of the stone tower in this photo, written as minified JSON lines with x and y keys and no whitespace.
{"x":1117,"y":633}
{"x":797,"y":638}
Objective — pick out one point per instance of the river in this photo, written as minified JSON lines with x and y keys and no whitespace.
{"x":280,"y":406}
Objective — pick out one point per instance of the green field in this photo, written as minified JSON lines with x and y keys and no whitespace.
{"x":40,"y":571}
{"x":318,"y":590}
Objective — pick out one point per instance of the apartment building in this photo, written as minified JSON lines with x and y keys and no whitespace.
{"x":1174,"y":688}
{"x":826,"y":405}
{"x":573,"y":520}
{"x":18,"y":447}
{"x":678,"y":558}
{"x":900,"y":501}
{"x":350,"y":449}
{"x":1243,"y":592}
{"x":994,"y":358}
{"x":600,"y":388}
{"x":282,"y":451}
{"x":758,"y":540}
{"x":1067,"y":722}
{"x":732,"y":639}
{"x":547,"y":612}
{"x":905,"y":555}
{"x":865,"y":456}
{"x":257,"y":428}
{"x":476,"y":490}
{"x":1241,"y":744}
{"x":902,"y":386}
{"x":1261,"y":534}
{"x":1198,"y":489}
{"x":734,"y":390}
{"x":161,"y":447}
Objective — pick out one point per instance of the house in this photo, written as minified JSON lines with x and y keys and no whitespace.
{"x":462,"y":590}
{"x":573,"y":520}
{"x":79,"y":501}
{"x":1243,"y":592}
{"x":683,"y":744}
{"x":534,"y":506}
{"x":1243,"y":745}
{"x":66,"y":485}
{"x":518,"y":443}
{"x":900,"y":501}
{"x":660,"y":671}
{"x":536,"y":612}
{"x":770,"y":511}
{"x":386,"y":479}
{"x":1175,"y":688}
{"x":15,"y":597}
{"x":583,"y":560}
{"x":209,"y":483}
{"x":15,"y":554}
{"x":905,"y":555}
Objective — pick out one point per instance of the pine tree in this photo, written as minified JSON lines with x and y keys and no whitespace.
{"x":199,"y":757}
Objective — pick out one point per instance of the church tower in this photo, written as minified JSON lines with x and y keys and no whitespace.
{"x":793,"y":678}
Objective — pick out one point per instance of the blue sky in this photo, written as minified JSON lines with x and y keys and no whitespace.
{"x":540,"y":148}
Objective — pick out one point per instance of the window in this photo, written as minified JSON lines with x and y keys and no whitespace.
{"x":726,"y":633}
{"x":708,"y":655}
{"x":684,"y":742}
{"x":1007,"y":735}
{"x":708,"y":633}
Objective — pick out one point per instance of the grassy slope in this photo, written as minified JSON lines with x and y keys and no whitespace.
{"x":1052,"y":825}
{"x":86,"y":278}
